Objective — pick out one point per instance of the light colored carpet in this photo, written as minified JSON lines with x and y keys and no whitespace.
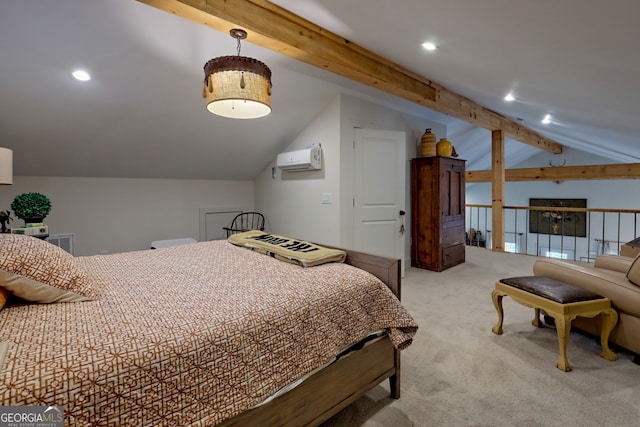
{"x":458,"y":373}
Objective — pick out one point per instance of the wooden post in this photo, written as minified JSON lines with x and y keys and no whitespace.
{"x":497,"y":190}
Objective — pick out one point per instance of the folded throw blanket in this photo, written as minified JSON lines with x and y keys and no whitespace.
{"x":287,"y":249}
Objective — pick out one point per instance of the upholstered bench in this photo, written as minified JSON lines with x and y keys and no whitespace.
{"x":563,"y":302}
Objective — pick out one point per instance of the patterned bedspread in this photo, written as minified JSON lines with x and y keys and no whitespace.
{"x":188,"y":335}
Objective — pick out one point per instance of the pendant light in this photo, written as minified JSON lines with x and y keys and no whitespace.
{"x":237,"y":87}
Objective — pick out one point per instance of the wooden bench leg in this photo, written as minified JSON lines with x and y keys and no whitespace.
{"x":497,"y":296}
{"x":563,"y":327}
{"x":536,"y":319}
{"x":609,"y":320}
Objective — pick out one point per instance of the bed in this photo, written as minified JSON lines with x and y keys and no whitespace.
{"x":196,"y":335}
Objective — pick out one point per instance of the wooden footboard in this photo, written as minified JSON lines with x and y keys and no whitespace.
{"x":333,"y":388}
{"x":385,"y":269}
{"x":326,"y":392}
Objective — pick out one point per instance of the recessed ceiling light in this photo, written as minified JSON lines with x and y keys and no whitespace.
{"x":509,"y":97}
{"x":547,"y":119}
{"x":429,"y":46}
{"x":81,"y":75}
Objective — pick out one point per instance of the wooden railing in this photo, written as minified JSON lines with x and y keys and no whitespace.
{"x":578,"y":234}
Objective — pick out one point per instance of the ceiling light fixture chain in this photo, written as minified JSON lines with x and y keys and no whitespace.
{"x":238,"y":34}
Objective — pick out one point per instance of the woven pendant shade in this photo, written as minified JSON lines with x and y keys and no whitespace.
{"x":236,"y":86}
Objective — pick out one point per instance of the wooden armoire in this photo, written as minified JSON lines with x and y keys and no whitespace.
{"x":437,"y":212}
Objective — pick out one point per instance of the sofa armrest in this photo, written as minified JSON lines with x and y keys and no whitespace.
{"x":613,"y":262}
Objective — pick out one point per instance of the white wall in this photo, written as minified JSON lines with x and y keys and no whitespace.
{"x":606,"y":194}
{"x":119,"y":214}
{"x":292,"y":202}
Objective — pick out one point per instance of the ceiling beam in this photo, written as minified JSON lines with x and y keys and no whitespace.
{"x":277,"y":29}
{"x":561,"y":173}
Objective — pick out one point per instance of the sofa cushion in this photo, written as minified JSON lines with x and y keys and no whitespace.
{"x":633,"y":274}
{"x":624,"y":295}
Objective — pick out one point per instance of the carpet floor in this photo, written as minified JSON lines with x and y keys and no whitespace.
{"x":458,"y":373}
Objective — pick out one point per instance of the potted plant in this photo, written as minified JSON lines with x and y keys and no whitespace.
{"x":31,"y":207}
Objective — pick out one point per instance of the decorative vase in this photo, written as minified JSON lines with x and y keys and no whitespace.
{"x":444,"y":147}
{"x":555,"y":227}
{"x":428,"y":144}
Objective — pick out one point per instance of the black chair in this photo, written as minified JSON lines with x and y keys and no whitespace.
{"x":245,"y":221}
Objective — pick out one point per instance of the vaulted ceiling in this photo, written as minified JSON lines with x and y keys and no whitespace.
{"x":142,"y":114}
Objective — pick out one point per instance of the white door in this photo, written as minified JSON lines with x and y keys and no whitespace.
{"x":379,"y":192}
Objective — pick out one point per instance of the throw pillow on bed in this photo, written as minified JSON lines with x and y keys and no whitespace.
{"x":633,"y":274}
{"x":4,"y":296}
{"x":37,"y":271}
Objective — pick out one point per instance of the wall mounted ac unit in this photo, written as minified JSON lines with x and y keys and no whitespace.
{"x":300,"y":160}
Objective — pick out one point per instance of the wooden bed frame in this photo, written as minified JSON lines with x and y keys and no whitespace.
{"x":335,"y":387}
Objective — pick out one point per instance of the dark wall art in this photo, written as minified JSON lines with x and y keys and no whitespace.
{"x":556,"y":220}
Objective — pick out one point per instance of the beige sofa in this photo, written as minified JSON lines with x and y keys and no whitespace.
{"x":614,"y":277}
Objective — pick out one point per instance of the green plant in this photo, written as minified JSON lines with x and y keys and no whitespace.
{"x":31,"y":205}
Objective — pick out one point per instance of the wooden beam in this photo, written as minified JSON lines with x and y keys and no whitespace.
{"x":277,"y":29}
{"x":497,"y":190}
{"x":562,"y":173}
